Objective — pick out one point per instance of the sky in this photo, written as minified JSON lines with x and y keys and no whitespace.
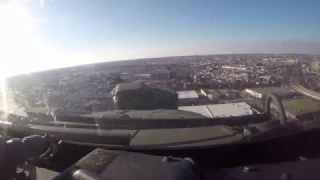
{"x":46,"y":34}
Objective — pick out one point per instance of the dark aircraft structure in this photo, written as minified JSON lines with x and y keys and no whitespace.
{"x":160,"y":144}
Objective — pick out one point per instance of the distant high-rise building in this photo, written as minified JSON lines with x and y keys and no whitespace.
{"x":315,"y":66}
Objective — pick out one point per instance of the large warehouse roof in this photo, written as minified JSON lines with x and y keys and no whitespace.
{"x":187,"y":94}
{"x":221,"y":110}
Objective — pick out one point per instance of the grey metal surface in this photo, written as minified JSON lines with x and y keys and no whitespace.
{"x":186,"y":137}
{"x":44,"y":174}
{"x":150,"y":114}
{"x":128,"y":86}
{"x":300,"y":170}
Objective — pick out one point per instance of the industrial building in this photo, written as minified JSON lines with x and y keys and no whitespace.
{"x":315,"y":66}
{"x":222,"y":110}
{"x":266,"y":79}
{"x":241,"y":67}
{"x":211,"y":94}
{"x":301,"y":108}
{"x":217,"y":94}
{"x":188,"y":98}
{"x":279,"y":91}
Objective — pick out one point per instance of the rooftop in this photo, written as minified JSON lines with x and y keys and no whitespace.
{"x":221,"y":110}
{"x":271,"y":89}
{"x":187,"y":94}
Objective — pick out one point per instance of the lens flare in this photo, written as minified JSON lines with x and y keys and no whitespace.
{"x":18,"y":44}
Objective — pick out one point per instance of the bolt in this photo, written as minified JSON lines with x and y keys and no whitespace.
{"x":166,"y":159}
{"x":189,"y":160}
{"x":170,"y":159}
{"x":286,"y":176}
{"x":249,"y":169}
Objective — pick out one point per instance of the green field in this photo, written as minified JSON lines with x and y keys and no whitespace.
{"x":301,"y":106}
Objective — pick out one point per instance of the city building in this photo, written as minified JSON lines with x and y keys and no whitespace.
{"x":241,"y":67}
{"x":301,"y":108}
{"x":279,"y":91}
{"x":142,"y":76}
{"x":267,"y":79}
{"x":220,"y":95}
{"x":222,"y":110}
{"x":211,"y":94}
{"x":229,"y":94}
{"x":188,"y":98}
{"x":315,"y":66}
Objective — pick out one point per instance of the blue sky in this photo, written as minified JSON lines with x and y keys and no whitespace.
{"x":78,"y":25}
{"x":104,"y":30}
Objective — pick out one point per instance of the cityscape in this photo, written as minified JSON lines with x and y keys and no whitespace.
{"x":209,"y":85}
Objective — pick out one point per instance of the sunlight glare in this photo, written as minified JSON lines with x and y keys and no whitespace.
{"x":19,"y":44}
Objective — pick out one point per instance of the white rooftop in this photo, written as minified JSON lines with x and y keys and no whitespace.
{"x":187,"y":94}
{"x":221,"y":110}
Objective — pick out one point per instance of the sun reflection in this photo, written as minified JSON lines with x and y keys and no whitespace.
{"x":4,"y":97}
{"x":21,"y":50}
{"x":17,"y":44}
